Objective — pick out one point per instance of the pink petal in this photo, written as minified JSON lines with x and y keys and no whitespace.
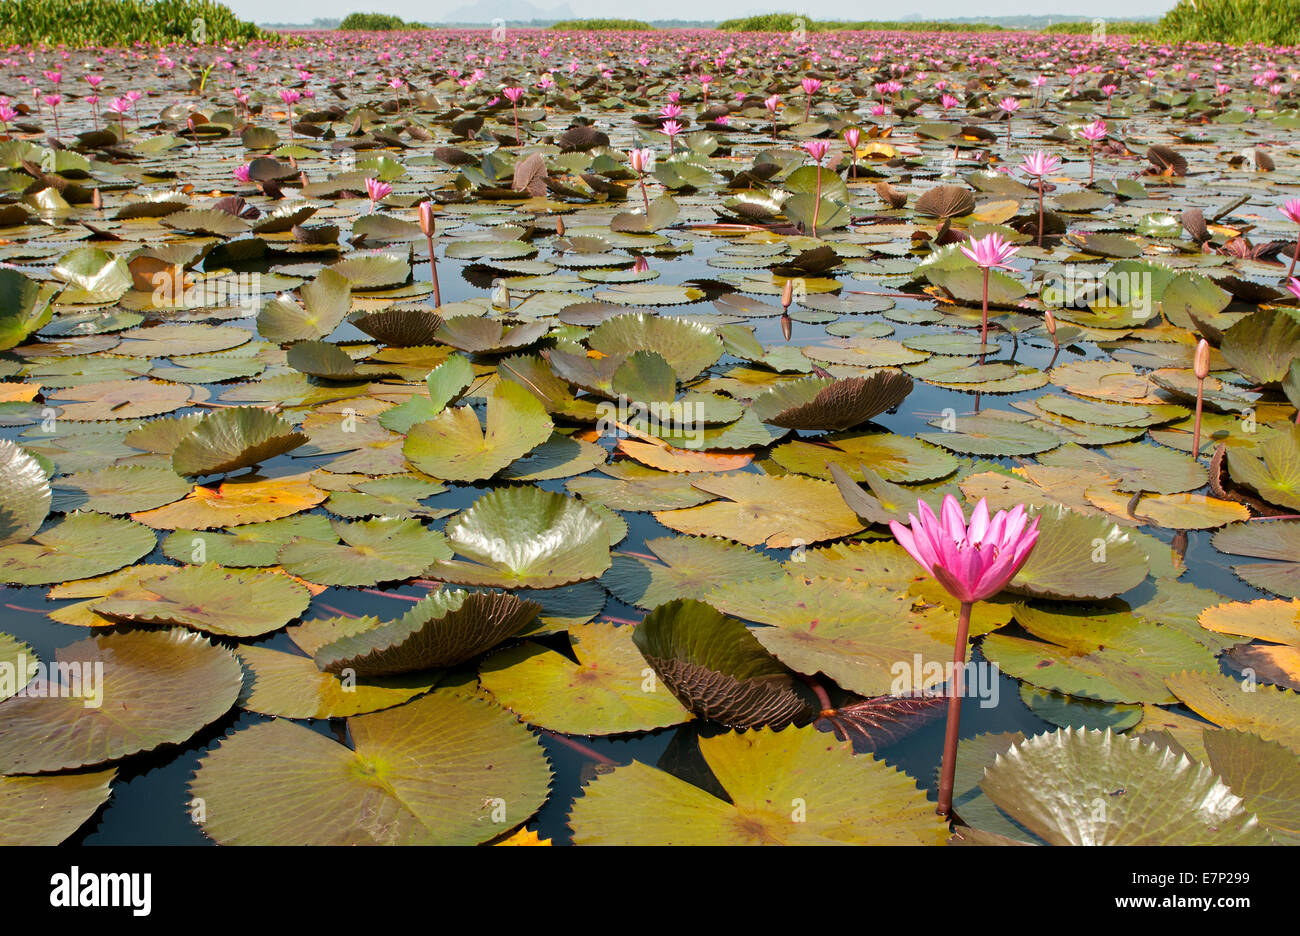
{"x":908,"y":542}
{"x":954,"y":521}
{"x":979,"y":522}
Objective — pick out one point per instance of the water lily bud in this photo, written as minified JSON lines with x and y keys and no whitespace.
{"x":559,"y":227}
{"x":427,"y":224}
{"x":1051,"y":322}
{"x":97,"y":200}
{"x":787,"y":294}
{"x":1201,"y":363}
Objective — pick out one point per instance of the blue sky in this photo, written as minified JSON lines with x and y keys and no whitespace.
{"x":433,"y":10}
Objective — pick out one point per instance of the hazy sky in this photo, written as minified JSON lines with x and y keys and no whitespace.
{"x":432,"y":10}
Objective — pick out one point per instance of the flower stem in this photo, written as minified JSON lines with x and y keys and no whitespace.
{"x":984,"y":319}
{"x":1294,"y":251}
{"x":955,"y":693}
{"x":433,"y":275}
{"x":817,"y":203}
{"x":1040,"y":211}
{"x":1196,"y":428}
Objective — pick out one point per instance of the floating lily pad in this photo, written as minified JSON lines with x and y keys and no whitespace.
{"x":447,"y":628}
{"x":250,"y":499}
{"x":689,"y":567}
{"x":79,"y":546}
{"x":137,"y":691}
{"x":444,"y":770}
{"x":763,"y":510}
{"x":1097,"y":788}
{"x":1080,"y":557}
{"x":24,"y":494}
{"x":454,"y":447}
{"x":371,"y":551}
{"x":716,"y":668}
{"x":228,"y":602}
{"x":608,"y":690}
{"x":767,"y":777}
{"x":232,"y":438}
{"x":525,"y":537}
{"x":46,"y":810}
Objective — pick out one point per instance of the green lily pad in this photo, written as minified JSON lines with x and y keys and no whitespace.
{"x":1096,"y":788}
{"x":232,"y":438}
{"x":687,"y":346}
{"x":79,"y":546}
{"x":1268,"y":711}
{"x":247,"y":545}
{"x":995,"y":433}
{"x":24,"y":493}
{"x":764,"y":510}
{"x":1265,"y":774}
{"x":138,"y":691}
{"x":228,"y":602}
{"x":1265,"y":539}
{"x":1272,"y":469}
{"x":716,"y":668}
{"x":1080,"y":556}
{"x":326,"y":302}
{"x":289,"y":685}
{"x":454,"y":447}
{"x":24,"y":307}
{"x":118,"y":489}
{"x":792,"y":787}
{"x":608,"y":690}
{"x":1263,"y":345}
{"x":689,"y":567}
{"x":1111,"y":657}
{"x":525,"y":537}
{"x":46,"y":810}
{"x":441,"y":631}
{"x":380,"y":550}
{"x":443,"y":770}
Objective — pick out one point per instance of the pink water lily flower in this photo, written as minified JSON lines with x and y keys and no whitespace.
{"x":972,"y":561}
{"x":1040,"y":164}
{"x":810,"y":87}
{"x":853,"y":136}
{"x":1095,"y":131}
{"x":990,"y":251}
{"x":1291,"y":211}
{"x":817,"y":149}
{"x":671,"y":128}
{"x":377,"y":191}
